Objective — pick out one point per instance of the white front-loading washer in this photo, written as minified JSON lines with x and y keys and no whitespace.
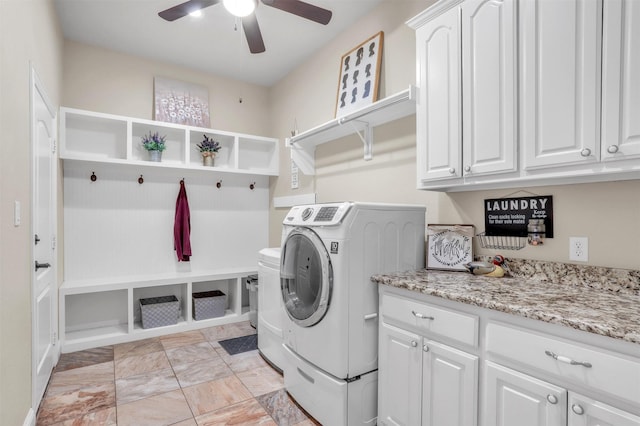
{"x":271,"y":311}
{"x":329,"y":252}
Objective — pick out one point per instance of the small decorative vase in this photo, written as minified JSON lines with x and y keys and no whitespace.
{"x":207,"y":158}
{"x":155,"y":156}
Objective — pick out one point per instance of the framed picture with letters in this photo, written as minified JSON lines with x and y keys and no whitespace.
{"x":449,"y":247}
{"x":359,"y":76}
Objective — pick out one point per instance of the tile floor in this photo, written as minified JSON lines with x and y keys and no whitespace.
{"x":180,"y":379}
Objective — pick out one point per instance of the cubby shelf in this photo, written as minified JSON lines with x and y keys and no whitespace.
{"x":112,"y":139}
{"x":100,"y":312}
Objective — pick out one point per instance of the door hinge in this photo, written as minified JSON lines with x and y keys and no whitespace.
{"x":53,"y":242}
{"x":54,"y":338}
{"x":53,"y":146}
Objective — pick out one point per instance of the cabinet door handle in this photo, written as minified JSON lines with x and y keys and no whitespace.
{"x":414,"y":344}
{"x":467,"y":169}
{"x":567,"y":360}
{"x":452,"y":170}
{"x":612,"y":149}
{"x":585,"y":152}
{"x":425,"y":348}
{"x":42,"y":265}
{"x":552,"y":399}
{"x":577,"y":408}
{"x":421,"y":316}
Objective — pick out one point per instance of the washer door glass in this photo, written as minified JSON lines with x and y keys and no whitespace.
{"x":306,"y":277}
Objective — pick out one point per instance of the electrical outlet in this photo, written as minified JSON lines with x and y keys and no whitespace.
{"x":579,"y":249}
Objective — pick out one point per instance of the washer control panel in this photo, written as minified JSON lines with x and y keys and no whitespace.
{"x":317,"y":214}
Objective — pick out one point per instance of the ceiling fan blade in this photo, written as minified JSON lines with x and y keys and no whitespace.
{"x":185,"y":8}
{"x":253,"y":34}
{"x":302,"y":9}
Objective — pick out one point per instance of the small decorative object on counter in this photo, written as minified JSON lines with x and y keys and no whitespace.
{"x":155,"y":144}
{"x":208,"y":148}
{"x":536,"y":231}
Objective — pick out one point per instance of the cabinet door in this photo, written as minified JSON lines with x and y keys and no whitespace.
{"x":584,"y":411}
{"x":450,"y":384}
{"x":560,"y":81}
{"x":438,"y":108}
{"x":399,"y":377}
{"x":489,"y":86}
{"x":621,"y":80}
{"x":513,"y":398}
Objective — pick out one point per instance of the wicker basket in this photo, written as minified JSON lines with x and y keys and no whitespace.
{"x":159,"y":311}
{"x":209,"y":304}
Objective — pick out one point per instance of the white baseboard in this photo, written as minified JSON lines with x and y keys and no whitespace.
{"x":30,"y":420}
{"x":294,"y":200}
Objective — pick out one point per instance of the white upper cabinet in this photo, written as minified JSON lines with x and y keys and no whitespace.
{"x":560,"y":81}
{"x":621,"y":80}
{"x":519,"y":93}
{"x":438,"y":110}
{"x":489,"y":132}
{"x":467,"y":112}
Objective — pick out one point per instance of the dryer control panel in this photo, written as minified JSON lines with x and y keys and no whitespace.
{"x":317,"y":214}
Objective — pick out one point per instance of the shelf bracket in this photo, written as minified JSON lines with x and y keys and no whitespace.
{"x":365,"y":136}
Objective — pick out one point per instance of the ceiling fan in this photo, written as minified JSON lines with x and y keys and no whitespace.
{"x":244,"y":9}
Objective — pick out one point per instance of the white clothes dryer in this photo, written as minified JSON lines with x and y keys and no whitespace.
{"x":271,"y":311}
{"x":329,"y":252}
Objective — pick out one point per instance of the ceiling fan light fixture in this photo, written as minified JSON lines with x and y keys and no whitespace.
{"x":240,"y":8}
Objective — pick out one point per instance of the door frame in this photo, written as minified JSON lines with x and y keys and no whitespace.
{"x":37,"y":89}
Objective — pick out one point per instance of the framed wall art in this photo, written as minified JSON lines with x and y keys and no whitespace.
{"x":449,"y":247}
{"x":359,"y":75}
{"x":181,"y":103}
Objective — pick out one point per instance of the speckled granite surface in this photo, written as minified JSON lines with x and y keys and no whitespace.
{"x":598,"y":300}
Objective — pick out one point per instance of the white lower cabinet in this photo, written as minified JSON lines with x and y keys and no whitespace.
{"x":444,"y":363}
{"x":421,"y":381}
{"x":585,"y":411}
{"x":513,"y":398}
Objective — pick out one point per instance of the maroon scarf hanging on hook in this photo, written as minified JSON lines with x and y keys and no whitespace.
{"x":182,"y":226}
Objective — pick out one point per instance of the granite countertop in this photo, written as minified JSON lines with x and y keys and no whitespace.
{"x":609,"y":307}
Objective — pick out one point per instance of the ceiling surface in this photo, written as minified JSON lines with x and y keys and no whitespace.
{"x":212,"y":43}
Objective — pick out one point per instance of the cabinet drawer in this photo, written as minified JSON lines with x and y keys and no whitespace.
{"x":431,"y":320}
{"x":617,"y":375}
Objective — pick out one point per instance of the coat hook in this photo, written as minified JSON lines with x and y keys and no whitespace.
{"x":219,"y":184}
{"x":140,"y":180}
{"x":252,"y":186}
{"x":93,"y":177}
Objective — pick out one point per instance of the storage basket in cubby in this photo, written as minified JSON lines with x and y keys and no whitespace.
{"x":209,"y":304}
{"x":159,"y":311}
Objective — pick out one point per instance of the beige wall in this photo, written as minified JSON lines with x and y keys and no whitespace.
{"x":102,"y":80}
{"x":29,"y":34}
{"x":607,"y":213}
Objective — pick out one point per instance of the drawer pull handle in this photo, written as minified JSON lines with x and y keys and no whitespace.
{"x":577,"y":409}
{"x":567,"y":360}
{"x":421,"y":316}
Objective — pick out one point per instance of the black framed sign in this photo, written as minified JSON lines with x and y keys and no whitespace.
{"x":510,"y":216}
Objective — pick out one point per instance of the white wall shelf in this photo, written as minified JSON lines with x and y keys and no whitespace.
{"x":361,"y":121}
{"x":112,"y":139}
{"x":98,"y":312}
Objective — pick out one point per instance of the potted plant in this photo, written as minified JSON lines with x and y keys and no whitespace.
{"x":155,"y":144}
{"x":208,"y":148}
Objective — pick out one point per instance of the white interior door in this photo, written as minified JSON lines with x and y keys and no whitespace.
{"x":43,"y":223}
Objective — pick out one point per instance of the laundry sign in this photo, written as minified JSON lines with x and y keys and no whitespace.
{"x":510,"y":216}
